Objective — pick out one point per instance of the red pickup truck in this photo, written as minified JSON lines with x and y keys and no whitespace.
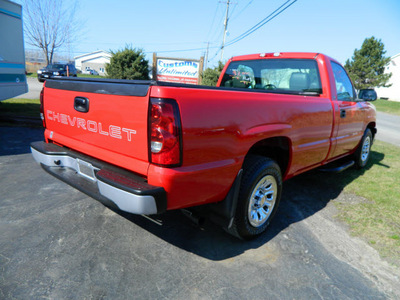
{"x":145,"y":147}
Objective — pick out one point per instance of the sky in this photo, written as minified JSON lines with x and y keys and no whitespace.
{"x":171,"y":27}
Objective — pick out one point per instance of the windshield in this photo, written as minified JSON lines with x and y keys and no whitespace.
{"x":278,"y":75}
{"x":56,"y":66}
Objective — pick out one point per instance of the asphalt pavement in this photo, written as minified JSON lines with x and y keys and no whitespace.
{"x":58,"y":243}
{"x":388,"y":128}
{"x":34,"y":88}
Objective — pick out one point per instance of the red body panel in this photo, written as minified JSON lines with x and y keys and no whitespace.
{"x":217,"y":130}
{"x":219,"y":126}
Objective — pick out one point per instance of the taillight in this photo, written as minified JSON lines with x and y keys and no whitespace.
{"x":42,"y":108}
{"x":165,"y":133}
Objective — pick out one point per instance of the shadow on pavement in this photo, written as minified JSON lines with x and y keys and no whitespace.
{"x":16,"y":140}
{"x":303,"y":196}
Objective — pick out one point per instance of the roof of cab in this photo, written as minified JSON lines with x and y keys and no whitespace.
{"x":300,"y":55}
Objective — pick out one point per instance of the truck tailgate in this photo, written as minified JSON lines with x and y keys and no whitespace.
{"x":103,"y":119}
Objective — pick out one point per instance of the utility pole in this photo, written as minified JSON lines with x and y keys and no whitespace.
{"x":225,"y":27}
{"x":205,"y":62}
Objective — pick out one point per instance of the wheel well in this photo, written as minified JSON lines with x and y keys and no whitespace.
{"x":276,"y":148}
{"x":372,"y":127}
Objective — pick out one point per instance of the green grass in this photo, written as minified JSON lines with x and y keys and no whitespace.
{"x":20,"y":107}
{"x":377,"y":219}
{"x":391,"y":107}
{"x":368,"y":200}
{"x":34,"y":75}
{"x":90,"y":76}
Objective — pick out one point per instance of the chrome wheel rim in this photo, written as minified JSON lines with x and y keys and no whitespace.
{"x":365,"y":149}
{"x":262,"y":201}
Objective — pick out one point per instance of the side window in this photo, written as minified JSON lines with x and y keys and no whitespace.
{"x":344,"y":88}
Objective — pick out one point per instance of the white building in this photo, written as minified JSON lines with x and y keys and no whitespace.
{"x":93,"y":61}
{"x":393,"y":92}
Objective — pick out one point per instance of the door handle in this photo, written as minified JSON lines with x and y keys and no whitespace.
{"x":81,"y":104}
{"x":343,"y":113}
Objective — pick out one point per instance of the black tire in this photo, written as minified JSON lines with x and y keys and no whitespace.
{"x":259,"y":196}
{"x":363,"y":152}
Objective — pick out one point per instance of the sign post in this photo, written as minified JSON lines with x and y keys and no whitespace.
{"x":177,"y":70}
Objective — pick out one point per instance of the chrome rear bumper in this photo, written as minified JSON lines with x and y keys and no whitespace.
{"x":108,"y":184}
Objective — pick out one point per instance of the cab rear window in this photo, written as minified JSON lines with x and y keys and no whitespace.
{"x":278,"y":75}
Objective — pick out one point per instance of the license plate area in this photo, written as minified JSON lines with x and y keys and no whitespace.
{"x":86,"y":169}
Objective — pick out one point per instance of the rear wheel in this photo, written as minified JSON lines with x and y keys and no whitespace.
{"x":364,"y":150}
{"x":259,"y":197}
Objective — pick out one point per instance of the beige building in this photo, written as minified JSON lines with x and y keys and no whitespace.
{"x":93,"y":61}
{"x":393,"y":92}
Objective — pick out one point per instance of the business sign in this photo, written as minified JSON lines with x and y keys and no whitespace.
{"x":177,"y":70}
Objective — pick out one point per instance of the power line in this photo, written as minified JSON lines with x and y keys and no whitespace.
{"x":216,"y":35}
{"x":234,"y":8}
{"x":146,"y":52}
{"x":235,"y":17}
{"x":263,"y":20}
{"x":267,"y":19}
{"x":212,"y":23}
{"x":184,"y":50}
{"x":215,"y":55}
{"x":227,"y":17}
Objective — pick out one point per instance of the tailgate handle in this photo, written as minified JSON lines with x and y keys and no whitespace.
{"x":81,"y":104}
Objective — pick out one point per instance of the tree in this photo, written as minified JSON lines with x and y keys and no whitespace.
{"x":210,"y":76}
{"x":128,"y":64}
{"x":367,"y":66}
{"x":49,"y":25}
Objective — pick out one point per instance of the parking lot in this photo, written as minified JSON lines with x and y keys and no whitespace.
{"x":34,"y":88}
{"x":58,"y":243}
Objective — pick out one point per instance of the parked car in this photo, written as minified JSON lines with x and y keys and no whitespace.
{"x":56,"y":70}
{"x":93,"y":72}
{"x":90,"y":71}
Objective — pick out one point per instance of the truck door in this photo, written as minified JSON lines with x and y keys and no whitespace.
{"x":349,"y":114}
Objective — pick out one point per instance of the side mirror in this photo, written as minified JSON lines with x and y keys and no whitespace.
{"x":367,"y":95}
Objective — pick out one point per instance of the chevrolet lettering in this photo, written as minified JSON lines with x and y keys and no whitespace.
{"x":91,"y":126}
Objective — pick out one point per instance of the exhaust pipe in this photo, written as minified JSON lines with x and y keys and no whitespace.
{"x":196,"y":219}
